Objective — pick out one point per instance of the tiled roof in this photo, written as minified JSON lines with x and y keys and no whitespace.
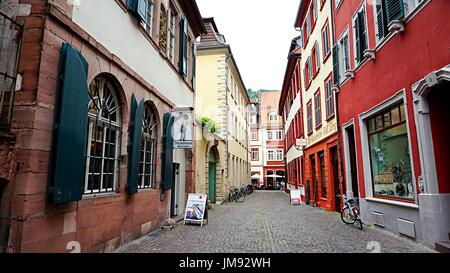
{"x":212,"y":37}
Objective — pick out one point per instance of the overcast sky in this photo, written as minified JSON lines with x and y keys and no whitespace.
{"x":259,"y":33}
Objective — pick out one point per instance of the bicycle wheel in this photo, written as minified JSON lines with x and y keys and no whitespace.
{"x":240,"y":198}
{"x":347,"y":217}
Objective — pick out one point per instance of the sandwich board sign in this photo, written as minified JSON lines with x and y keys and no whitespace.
{"x":196,"y":210}
{"x":295,"y":197}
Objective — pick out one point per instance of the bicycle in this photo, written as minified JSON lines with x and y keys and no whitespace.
{"x":236,"y":195}
{"x":350,"y":214}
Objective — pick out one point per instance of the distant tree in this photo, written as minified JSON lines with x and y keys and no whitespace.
{"x":252,"y":94}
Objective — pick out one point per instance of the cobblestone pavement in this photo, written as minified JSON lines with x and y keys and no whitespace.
{"x":266,"y":223}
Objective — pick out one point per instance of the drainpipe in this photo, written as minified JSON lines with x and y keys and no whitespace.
{"x":229,"y":55}
{"x":339,"y":150}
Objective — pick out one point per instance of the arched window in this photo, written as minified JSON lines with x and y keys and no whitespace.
{"x":147,"y":161}
{"x":102,"y":163}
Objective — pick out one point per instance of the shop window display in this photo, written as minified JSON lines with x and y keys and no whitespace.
{"x":389,"y":154}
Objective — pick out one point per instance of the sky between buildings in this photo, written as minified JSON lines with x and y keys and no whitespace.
{"x":259,"y":32}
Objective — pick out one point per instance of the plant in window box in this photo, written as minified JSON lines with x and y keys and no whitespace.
{"x":209,"y":127}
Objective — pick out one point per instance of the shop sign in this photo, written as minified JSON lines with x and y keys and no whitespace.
{"x":196,"y":209}
{"x":183,"y":128}
{"x":295,"y":197}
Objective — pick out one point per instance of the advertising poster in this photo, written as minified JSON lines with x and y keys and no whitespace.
{"x":183,"y":129}
{"x":195,"y":208}
{"x":295,"y":197}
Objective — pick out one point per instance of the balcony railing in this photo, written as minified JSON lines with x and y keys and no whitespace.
{"x":10,"y":41}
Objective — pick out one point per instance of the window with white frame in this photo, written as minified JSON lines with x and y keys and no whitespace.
{"x":326,"y":41}
{"x":172,"y":18}
{"x":341,"y":58}
{"x":273,"y":116}
{"x":310,"y":68}
{"x":329,"y":98}
{"x":148,"y":21}
{"x":360,"y":42}
{"x":102,"y":161}
{"x":309,"y":117}
{"x":254,"y":135}
{"x":317,"y":54}
{"x":279,"y":155}
{"x":147,"y":159}
{"x":255,"y":154}
{"x":385,"y":12}
{"x":271,"y":155}
{"x":390,"y":158}
{"x":318,"y":109}
{"x":279,"y":135}
{"x":315,"y":10}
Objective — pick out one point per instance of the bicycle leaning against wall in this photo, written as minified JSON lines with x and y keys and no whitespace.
{"x":237,"y":195}
{"x":350,"y":214}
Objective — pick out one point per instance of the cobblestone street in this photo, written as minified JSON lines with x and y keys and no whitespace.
{"x":266,"y":223}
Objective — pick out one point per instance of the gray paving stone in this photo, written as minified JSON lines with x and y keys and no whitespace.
{"x":266,"y":223}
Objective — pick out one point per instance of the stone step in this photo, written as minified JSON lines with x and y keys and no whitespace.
{"x":443,"y":247}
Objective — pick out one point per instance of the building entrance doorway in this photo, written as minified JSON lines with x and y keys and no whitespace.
{"x":439,"y":102}
{"x":351,"y":165}
{"x":335,"y":177}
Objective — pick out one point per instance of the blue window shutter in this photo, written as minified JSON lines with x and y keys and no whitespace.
{"x":167,"y":153}
{"x":132,"y":5}
{"x":395,"y":10}
{"x":142,"y":7}
{"x":68,"y":162}
{"x":134,"y":148}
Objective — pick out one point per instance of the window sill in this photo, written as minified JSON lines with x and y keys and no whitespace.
{"x":147,"y":190}
{"x":318,"y":127}
{"x":100,"y":195}
{"x":392,"y":202}
{"x":330,"y":117}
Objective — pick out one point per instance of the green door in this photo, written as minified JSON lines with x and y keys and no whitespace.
{"x":212,"y":179}
{"x":212,"y":182}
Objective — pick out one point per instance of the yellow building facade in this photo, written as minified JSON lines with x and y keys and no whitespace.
{"x":222,"y":146}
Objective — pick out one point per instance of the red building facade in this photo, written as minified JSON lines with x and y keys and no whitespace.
{"x":309,"y":109}
{"x":391,"y":72}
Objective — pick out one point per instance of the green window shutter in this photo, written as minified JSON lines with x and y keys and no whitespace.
{"x":68,"y":163}
{"x":134,"y":148}
{"x":194,"y":64}
{"x":336,"y":65}
{"x":132,"y":5}
{"x":362,"y":33}
{"x":395,"y":10}
{"x":358,"y":39}
{"x":167,"y":153}
{"x":142,"y":7}
{"x":183,"y":46}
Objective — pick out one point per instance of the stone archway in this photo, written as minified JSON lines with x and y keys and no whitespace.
{"x":213,"y":174}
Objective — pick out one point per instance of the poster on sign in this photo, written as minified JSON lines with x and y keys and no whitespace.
{"x":182,"y":130}
{"x":195,"y":208}
{"x":295,"y":197}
